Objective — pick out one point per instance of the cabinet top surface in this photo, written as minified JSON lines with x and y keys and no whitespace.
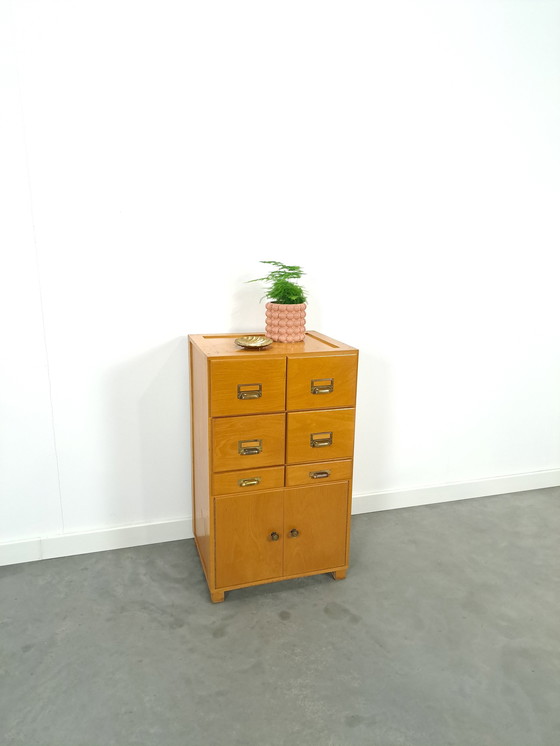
{"x":223,"y":345}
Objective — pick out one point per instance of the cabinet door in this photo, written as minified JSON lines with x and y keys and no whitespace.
{"x":247,"y":549}
{"x":319,"y":515}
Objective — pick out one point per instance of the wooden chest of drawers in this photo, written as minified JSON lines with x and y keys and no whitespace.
{"x":272,"y":446}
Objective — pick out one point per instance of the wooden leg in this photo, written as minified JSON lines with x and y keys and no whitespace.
{"x":339,"y":574}
{"x":217,"y":596}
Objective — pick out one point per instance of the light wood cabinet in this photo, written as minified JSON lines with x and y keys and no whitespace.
{"x":272,"y":446}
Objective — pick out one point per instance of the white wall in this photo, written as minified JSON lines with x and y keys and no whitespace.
{"x":29,"y":494}
{"x":406,"y":154}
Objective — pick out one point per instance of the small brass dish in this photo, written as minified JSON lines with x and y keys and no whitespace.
{"x":253,"y":342}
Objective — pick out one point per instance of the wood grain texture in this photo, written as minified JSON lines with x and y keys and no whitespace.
{"x":330,"y":570}
{"x":348,"y":524}
{"x":341,"y":369}
{"x":202,"y":518}
{"x":228,"y":431}
{"x":227,"y":482}
{"x":320,"y":516}
{"x":225,"y":375}
{"x":223,"y":345}
{"x":301,"y":473}
{"x":245,"y":551}
{"x":301,"y":425}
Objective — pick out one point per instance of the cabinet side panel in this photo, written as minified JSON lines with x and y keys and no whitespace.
{"x":349,"y":521}
{"x":202,"y":522}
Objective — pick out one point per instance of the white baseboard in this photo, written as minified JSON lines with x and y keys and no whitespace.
{"x":84,"y":542}
{"x":64,"y":545}
{"x":442,"y":493}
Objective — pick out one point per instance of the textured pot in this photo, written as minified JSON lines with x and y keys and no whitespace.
{"x":285,"y":323}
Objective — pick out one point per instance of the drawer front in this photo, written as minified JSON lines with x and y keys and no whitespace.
{"x":326,"y":434}
{"x":321,"y":382}
{"x":247,"y":386}
{"x":248,"y":442}
{"x":318,"y":472}
{"x":248,"y":480}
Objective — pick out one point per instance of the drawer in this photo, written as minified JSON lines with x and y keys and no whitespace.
{"x":248,"y":480}
{"x":328,"y":434}
{"x":247,"y":386}
{"x":248,"y":442}
{"x":318,"y":472}
{"x":321,"y":382}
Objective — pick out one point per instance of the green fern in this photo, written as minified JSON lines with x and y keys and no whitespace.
{"x":281,"y":289}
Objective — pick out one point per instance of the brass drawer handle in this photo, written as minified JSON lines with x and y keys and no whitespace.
{"x":322,"y":385}
{"x":320,"y":474}
{"x":321,"y":442}
{"x":294,"y":532}
{"x":249,"y":447}
{"x":274,"y":536}
{"x":249,"y":390}
{"x":249,"y":482}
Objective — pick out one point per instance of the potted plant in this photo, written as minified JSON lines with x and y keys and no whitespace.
{"x":285,"y":312}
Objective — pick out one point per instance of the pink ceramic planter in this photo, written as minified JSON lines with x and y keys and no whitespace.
{"x":285,"y":323}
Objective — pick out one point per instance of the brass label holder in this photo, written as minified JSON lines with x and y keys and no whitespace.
{"x":322,"y":385}
{"x":320,"y":440}
{"x":249,"y":447}
{"x":249,"y":390}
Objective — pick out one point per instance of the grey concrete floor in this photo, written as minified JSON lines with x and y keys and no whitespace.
{"x":446,"y":631}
